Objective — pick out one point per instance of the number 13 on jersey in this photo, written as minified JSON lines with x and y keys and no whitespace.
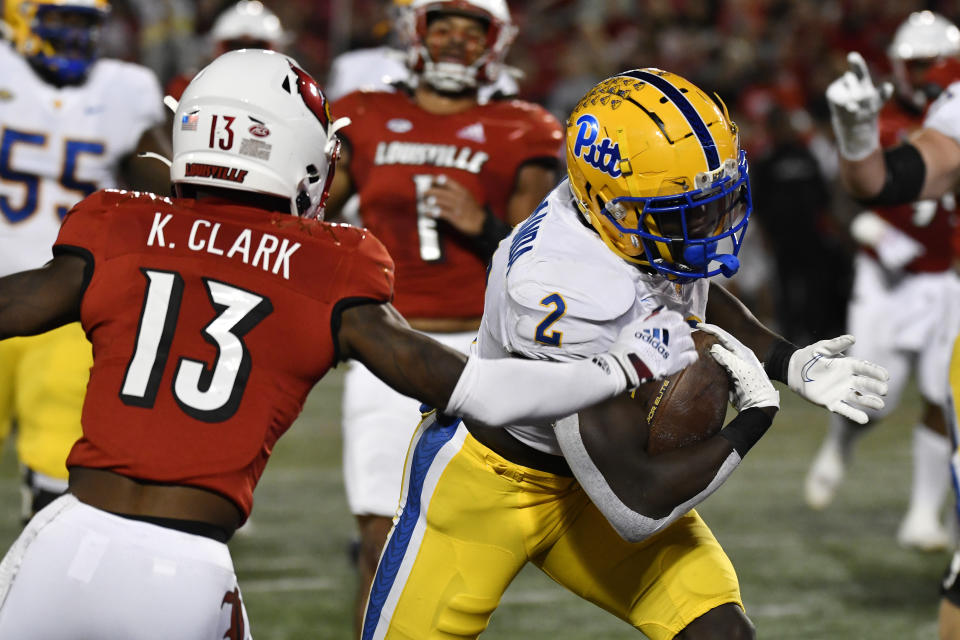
{"x":207,"y":393}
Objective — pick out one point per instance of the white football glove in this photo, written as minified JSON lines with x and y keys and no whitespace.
{"x":824,"y":376}
{"x":854,"y":104}
{"x":895,"y":249}
{"x":654,"y":347}
{"x":751,"y":386}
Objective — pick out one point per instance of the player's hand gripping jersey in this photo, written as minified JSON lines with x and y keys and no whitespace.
{"x":59,"y":145}
{"x":557,"y":292}
{"x":175,"y":346}
{"x":395,"y":155}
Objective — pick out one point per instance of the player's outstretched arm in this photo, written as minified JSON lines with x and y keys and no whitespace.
{"x":820,"y":372}
{"x":925,"y":168}
{"x":505,"y":391}
{"x":39,"y":300}
{"x":640,"y":494}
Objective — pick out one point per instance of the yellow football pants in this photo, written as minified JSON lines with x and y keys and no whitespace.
{"x":953,"y":416}
{"x":471,"y":520}
{"x":43,"y":380}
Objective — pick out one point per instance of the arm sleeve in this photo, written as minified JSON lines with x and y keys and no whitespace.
{"x":631,"y":525}
{"x":508,"y":390}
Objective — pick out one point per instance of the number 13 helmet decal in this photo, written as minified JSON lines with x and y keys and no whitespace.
{"x":656,"y":168}
{"x":253,"y":120}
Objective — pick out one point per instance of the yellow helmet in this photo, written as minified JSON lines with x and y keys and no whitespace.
{"x":59,"y":37}
{"x":655,"y":166}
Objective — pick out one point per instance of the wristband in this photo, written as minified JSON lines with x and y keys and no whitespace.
{"x":903,"y":181}
{"x":491,"y":233}
{"x":746,"y":429}
{"x":778,"y":359}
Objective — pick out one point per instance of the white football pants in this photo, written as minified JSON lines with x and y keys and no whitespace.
{"x":77,"y":573}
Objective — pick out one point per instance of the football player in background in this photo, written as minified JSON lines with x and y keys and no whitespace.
{"x":441,"y":179}
{"x":184,"y":299}
{"x":656,"y":202}
{"x":904,"y":264}
{"x":382,"y":67}
{"x":247,"y":24}
{"x":70,"y":124}
{"x":925,"y":167}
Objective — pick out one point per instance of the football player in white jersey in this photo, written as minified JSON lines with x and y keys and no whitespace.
{"x":904,"y":262}
{"x":656,"y":202}
{"x":70,"y":124}
{"x":926,"y":166}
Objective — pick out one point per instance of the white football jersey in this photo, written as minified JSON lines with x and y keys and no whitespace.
{"x":376,"y":68}
{"x":59,"y":145}
{"x":944,"y":113}
{"x":555,"y":291}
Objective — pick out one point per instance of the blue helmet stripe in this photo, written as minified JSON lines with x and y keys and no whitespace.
{"x":688,"y":111}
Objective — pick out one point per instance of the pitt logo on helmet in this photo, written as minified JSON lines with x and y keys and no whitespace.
{"x":604,"y":156}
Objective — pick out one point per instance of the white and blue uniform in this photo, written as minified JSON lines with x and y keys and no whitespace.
{"x":471,"y":519}
{"x":57,"y":145}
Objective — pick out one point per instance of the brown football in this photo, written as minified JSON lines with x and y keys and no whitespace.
{"x":688,"y":406}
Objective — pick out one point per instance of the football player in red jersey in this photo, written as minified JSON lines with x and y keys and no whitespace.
{"x":441,"y":179}
{"x":184,"y":300}
{"x":904,"y":263}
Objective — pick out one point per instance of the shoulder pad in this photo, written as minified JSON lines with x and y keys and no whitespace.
{"x":115,"y":197}
{"x":593,"y":292}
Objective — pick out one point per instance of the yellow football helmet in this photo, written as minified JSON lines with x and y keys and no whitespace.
{"x":655,"y":166}
{"x":59,"y":37}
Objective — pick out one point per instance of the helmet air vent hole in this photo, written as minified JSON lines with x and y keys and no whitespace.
{"x":313,"y":175}
{"x":286,"y":85}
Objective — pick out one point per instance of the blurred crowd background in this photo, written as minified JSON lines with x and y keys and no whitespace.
{"x":769,"y":60}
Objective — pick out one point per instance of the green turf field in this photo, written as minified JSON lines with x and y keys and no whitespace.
{"x":832,"y":575}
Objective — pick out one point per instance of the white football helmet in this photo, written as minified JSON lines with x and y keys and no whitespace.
{"x":248,"y":23}
{"x":921,"y":40}
{"x":452,"y":76}
{"x":253,"y":120}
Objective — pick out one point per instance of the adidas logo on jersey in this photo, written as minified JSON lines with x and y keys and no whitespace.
{"x":437,"y":155}
{"x":473,"y":132}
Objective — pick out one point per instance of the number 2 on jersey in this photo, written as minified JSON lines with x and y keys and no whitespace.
{"x":210,"y":394}
{"x":559,"y":308}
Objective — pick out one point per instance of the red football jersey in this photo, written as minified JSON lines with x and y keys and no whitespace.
{"x":210,"y":323}
{"x":397,"y":150}
{"x":927,"y":221}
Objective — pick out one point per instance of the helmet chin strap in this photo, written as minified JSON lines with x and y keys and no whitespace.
{"x":699,"y":256}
